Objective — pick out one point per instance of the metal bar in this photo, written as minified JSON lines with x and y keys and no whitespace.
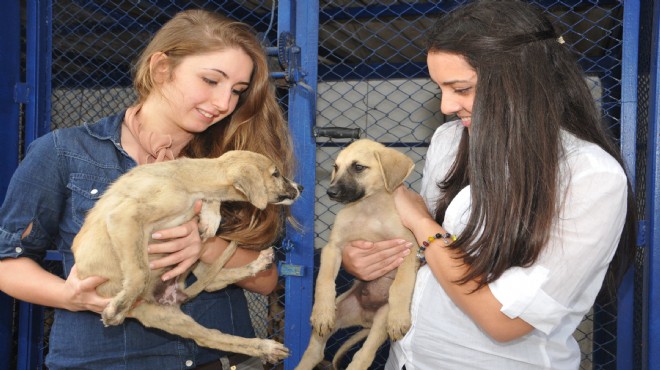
{"x":429,"y":9}
{"x":367,"y":71}
{"x":651,"y":342}
{"x":37,"y":123}
{"x":629,"y":64}
{"x":301,"y":19}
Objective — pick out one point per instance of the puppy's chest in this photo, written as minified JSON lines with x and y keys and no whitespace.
{"x":383,"y":224}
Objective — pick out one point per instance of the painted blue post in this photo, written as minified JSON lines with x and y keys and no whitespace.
{"x":10,"y":58}
{"x":301,"y":20}
{"x":650,"y":341}
{"x":629,"y":65}
{"x":35,"y":94}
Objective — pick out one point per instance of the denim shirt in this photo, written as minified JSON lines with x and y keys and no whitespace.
{"x":60,"y":179}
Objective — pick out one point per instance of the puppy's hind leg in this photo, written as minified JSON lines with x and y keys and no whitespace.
{"x":207,"y":273}
{"x":377,"y":336}
{"x":232,"y":275}
{"x":129,"y":244}
{"x":349,"y":313}
{"x":172,"y":320}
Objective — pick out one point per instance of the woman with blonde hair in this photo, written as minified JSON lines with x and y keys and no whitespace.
{"x":203,"y":88}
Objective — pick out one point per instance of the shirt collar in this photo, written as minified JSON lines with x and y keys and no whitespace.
{"x":107,"y":128}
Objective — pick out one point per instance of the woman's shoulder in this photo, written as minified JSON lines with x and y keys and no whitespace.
{"x":445,"y":140}
{"x":450,"y":131}
{"x":586,"y":158}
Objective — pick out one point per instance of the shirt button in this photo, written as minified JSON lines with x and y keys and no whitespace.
{"x":19,"y":250}
{"x":94,"y":191}
{"x":189,"y":363}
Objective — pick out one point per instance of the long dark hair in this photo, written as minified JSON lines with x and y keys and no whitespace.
{"x":529,"y":87}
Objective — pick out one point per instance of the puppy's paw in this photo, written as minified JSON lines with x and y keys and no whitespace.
{"x":323,"y":319}
{"x":264,"y":261}
{"x":398,"y":324}
{"x":110,"y":316}
{"x":273,"y":351}
{"x":209,"y":219}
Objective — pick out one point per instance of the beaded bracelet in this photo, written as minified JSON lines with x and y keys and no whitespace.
{"x":446,"y":237}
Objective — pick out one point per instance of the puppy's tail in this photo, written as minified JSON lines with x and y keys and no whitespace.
{"x":355,"y":339}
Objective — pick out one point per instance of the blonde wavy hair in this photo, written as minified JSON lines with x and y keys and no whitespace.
{"x":257,"y":124}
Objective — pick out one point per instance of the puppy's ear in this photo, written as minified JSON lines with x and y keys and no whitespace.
{"x":394,"y":167}
{"x":251,"y":183}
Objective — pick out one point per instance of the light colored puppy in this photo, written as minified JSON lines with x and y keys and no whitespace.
{"x":364,"y":176}
{"x":113,"y":240}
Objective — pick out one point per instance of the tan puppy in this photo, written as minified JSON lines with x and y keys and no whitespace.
{"x":364,"y":176}
{"x":113,"y":240}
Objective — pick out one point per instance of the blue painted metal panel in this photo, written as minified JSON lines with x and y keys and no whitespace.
{"x":651,"y":342}
{"x":629,"y":62}
{"x":37,"y":122}
{"x":9,"y":125}
{"x":301,"y":19}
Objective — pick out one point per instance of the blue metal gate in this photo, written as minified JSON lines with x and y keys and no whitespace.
{"x":344,"y":69}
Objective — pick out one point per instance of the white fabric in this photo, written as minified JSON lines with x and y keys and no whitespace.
{"x":553,"y":295}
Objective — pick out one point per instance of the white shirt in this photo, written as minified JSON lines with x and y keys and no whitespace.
{"x":553,"y":295}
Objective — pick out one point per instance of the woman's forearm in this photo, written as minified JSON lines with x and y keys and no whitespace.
{"x":481,"y":305}
{"x":23,"y":278}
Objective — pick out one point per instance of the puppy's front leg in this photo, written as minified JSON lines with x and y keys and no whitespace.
{"x":209,"y":218}
{"x":400,"y":298}
{"x":323,"y":311}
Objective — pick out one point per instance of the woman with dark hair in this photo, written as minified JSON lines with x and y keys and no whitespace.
{"x":525,"y":207}
{"x":203,"y":88}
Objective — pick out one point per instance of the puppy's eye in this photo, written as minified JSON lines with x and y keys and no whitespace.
{"x":276,"y":174}
{"x":358,"y":167}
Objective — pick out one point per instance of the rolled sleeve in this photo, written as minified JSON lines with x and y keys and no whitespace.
{"x":520,"y":292}
{"x":33,"y":201}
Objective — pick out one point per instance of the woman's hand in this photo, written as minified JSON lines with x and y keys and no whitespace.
{"x":411,"y":207}
{"x":182,"y":244}
{"x":368,"y":260}
{"x":83,"y":295}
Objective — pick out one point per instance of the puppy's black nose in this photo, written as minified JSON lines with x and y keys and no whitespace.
{"x":300,"y":188}
{"x":333,"y":192}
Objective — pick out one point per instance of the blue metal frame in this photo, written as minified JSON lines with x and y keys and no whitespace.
{"x":10,"y":27}
{"x":301,"y":20}
{"x":36,"y":97}
{"x":629,"y":66}
{"x":651,"y":340}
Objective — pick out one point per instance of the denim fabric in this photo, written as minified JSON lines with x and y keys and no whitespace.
{"x":60,"y":179}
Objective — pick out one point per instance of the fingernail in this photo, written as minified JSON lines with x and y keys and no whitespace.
{"x":402,"y":241}
{"x":156,"y":235}
{"x":409,"y":245}
{"x":406,"y":252}
{"x":165,"y":278}
{"x":151,"y":265}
